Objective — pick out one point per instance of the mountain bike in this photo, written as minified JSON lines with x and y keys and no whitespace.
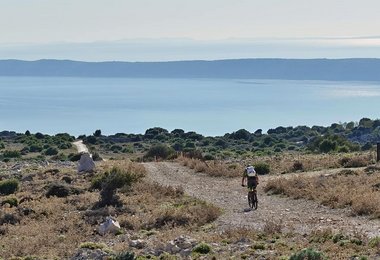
{"x":252,"y":198}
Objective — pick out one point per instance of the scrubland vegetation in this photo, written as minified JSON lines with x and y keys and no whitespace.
{"x":356,"y":189}
{"x":49,"y":211}
{"x":159,"y":143}
{"x":49,"y":218}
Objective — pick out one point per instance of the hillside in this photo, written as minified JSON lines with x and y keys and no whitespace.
{"x":290,"y":69}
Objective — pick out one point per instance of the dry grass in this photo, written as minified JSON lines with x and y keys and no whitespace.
{"x":279,"y":164}
{"x":213,"y":168}
{"x":354,"y":189}
{"x":54,"y":228}
{"x":285,"y":163}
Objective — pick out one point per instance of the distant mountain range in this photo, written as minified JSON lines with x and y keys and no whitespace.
{"x":290,"y":69}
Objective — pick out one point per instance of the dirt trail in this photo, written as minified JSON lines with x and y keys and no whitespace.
{"x":81,"y":147}
{"x":300,"y":216}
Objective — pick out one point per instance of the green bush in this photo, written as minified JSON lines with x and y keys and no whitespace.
{"x":60,"y":190}
{"x":39,"y":136}
{"x":64,"y":145}
{"x":160,"y":151}
{"x":74,"y":157}
{"x":9,"y":186}
{"x":208,"y":157}
{"x":307,"y":254}
{"x":327,"y":146}
{"x":110,"y":182}
{"x":124,"y":256}
{"x":202,"y":248}
{"x":11,"y":154}
{"x":98,"y":133}
{"x":13,"y":202}
{"x":51,"y":151}
{"x":374,"y":242}
{"x":262,"y":168}
{"x":34,"y":148}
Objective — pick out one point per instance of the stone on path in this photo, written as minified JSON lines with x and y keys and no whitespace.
{"x":86,"y":164}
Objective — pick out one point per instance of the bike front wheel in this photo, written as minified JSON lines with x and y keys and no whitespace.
{"x":251,"y":199}
{"x":254,"y":201}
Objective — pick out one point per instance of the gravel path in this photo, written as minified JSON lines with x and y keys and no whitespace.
{"x":81,"y":147}
{"x":300,"y":216}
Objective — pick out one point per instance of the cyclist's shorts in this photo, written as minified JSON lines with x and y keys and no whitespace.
{"x":251,"y":183}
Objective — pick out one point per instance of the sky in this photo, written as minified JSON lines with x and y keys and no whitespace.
{"x":181,"y":29}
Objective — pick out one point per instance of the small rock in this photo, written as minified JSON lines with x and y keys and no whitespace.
{"x":138,"y":243}
{"x":109,"y":226}
{"x":28,"y":178}
{"x":185,"y":253}
{"x":26,"y":211}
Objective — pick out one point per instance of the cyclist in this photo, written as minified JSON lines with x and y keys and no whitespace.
{"x":252,"y":178}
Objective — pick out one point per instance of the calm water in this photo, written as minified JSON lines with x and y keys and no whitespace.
{"x":208,"y":106}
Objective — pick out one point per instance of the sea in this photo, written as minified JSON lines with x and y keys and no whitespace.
{"x":211,"y":107}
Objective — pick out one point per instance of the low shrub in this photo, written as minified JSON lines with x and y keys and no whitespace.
{"x":354,"y":162}
{"x":321,"y":236}
{"x":184,"y":213}
{"x":208,"y":157}
{"x":13,"y":202}
{"x":259,"y":246}
{"x":160,"y":151}
{"x":9,"y":186}
{"x":307,"y":254}
{"x":372,"y":169}
{"x":74,"y":157}
{"x":347,"y":172}
{"x":51,"y":151}
{"x":262,"y":168}
{"x":8,"y":218}
{"x":124,"y":256}
{"x":297,"y":166}
{"x":60,"y":190}
{"x":202,"y":248}
{"x":96,"y":157}
{"x":374,"y":242}
{"x":11,"y":154}
{"x":111,"y":181}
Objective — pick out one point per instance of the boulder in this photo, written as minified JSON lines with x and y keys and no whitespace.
{"x":86,"y":164}
{"x":109,"y":226}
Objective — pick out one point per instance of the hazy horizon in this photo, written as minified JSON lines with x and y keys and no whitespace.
{"x":148,"y":30}
{"x":186,"y":49}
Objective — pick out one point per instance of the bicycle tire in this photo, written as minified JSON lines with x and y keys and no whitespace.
{"x":255,"y":202}
{"x":251,"y":199}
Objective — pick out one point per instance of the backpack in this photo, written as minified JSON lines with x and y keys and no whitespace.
{"x":250,"y":171}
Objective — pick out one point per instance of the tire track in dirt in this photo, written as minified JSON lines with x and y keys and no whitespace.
{"x":299,"y":216}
